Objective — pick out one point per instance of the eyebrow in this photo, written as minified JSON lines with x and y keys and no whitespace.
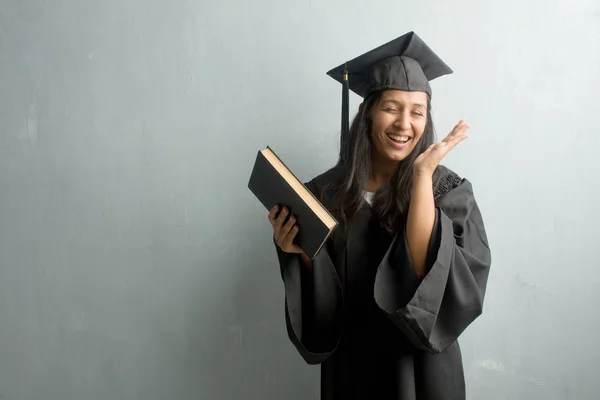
{"x":399,"y":104}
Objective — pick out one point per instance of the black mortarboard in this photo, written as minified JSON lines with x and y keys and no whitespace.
{"x":405,"y":63}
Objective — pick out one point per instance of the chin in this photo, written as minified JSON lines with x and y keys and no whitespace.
{"x":397,"y":156}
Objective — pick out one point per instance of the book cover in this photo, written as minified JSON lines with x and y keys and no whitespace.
{"x":274,"y":184}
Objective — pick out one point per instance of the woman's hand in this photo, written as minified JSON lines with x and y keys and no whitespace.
{"x":284,"y":233}
{"x":428,"y":161}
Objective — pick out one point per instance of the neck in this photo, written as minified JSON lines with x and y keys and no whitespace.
{"x":381,"y":173}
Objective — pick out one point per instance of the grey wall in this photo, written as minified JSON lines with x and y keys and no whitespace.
{"x":134,"y":263}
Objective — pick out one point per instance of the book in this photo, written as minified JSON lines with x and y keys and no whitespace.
{"x":273,"y":183}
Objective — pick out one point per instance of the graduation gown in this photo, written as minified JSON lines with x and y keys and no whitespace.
{"x":377,"y":331}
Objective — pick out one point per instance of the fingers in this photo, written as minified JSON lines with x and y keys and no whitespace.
{"x":281,"y":218}
{"x":272,"y":214}
{"x":284,"y":231}
{"x":288,"y":241}
{"x":460,"y":134}
{"x":460,"y":129}
{"x":457,"y":135}
{"x":460,"y":125}
{"x":287,"y":228}
{"x":434,"y":153}
{"x":275,"y":220}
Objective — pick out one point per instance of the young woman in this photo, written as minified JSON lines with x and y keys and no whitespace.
{"x":382,"y":304}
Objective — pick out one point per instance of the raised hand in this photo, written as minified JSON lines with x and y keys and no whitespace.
{"x":428,"y":161}
{"x":284,"y":232}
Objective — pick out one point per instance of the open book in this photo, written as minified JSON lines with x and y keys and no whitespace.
{"x":274,"y":184}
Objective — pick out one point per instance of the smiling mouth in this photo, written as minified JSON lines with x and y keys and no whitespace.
{"x":400,"y":139}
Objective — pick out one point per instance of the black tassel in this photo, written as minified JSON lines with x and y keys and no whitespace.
{"x":345,"y":134}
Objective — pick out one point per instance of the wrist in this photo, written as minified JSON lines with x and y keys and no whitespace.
{"x":422,"y":176}
{"x":422,"y":183}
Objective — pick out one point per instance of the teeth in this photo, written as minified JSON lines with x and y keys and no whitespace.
{"x":398,"y":138}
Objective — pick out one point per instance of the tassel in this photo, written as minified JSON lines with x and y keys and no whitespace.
{"x":345,"y":134}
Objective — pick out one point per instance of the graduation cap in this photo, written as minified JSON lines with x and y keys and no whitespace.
{"x":405,"y":63}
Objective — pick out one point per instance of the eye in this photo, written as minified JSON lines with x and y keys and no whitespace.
{"x":418,"y":113}
{"x":391,"y":109}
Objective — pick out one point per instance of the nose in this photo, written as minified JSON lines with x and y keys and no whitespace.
{"x":403,"y":121}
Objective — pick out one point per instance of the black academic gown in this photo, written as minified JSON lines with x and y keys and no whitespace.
{"x":377,"y":330}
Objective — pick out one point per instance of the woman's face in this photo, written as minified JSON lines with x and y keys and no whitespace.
{"x":398,"y":122}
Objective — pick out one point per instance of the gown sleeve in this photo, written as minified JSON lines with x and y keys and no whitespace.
{"x":432,"y":312}
{"x":313,"y":303}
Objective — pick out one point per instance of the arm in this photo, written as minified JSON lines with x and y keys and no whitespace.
{"x":420,"y":221}
{"x":313,"y":302}
{"x":432,"y":312}
{"x":422,"y":214}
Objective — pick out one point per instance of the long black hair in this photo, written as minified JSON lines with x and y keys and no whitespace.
{"x":391,"y":201}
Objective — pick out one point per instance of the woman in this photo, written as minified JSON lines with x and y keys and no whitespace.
{"x":382,"y":304}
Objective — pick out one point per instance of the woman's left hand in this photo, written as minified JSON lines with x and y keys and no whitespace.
{"x":428,"y":161}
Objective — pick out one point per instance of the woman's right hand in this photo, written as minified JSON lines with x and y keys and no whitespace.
{"x":284,"y":233}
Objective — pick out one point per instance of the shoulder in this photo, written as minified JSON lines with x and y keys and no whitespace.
{"x":321,"y":182}
{"x":325,"y":186}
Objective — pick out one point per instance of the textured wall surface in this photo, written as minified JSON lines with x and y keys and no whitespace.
{"x":135,"y":263}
